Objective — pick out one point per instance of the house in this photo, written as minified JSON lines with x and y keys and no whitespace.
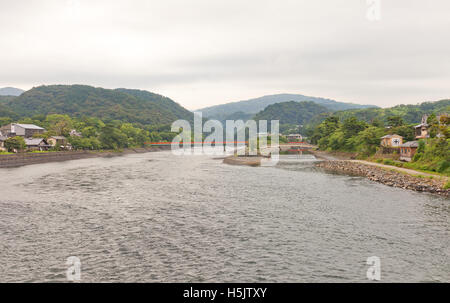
{"x":294,"y":138}
{"x":57,"y":140}
{"x":26,"y":130}
{"x":422,"y":128}
{"x":74,"y":133}
{"x":391,"y":140}
{"x":5,"y":131}
{"x":2,"y":143}
{"x":22,"y":130}
{"x":408,"y":150}
{"x":36,"y":144}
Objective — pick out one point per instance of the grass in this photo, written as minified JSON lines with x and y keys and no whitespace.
{"x":409,"y":165}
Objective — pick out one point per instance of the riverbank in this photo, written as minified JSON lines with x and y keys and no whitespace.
{"x":22,"y":159}
{"x":389,"y":176}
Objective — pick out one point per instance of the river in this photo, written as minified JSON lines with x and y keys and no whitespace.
{"x":157,"y":217}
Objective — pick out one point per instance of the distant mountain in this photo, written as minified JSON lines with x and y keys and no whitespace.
{"x":291,"y":112}
{"x":82,"y":100}
{"x":11,"y":91}
{"x":253,"y":106}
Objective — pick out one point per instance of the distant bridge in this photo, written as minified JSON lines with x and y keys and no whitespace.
{"x":283,"y":147}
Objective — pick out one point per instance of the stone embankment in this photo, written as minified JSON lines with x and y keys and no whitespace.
{"x":22,"y":159}
{"x":388,"y":177}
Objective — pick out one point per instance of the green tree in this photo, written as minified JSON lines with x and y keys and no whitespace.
{"x":406,"y":131}
{"x":89,"y":131}
{"x":433,"y":125}
{"x":395,"y":121}
{"x":368,"y":140}
{"x":112,"y":138}
{"x":377,"y":123}
{"x":15,"y":144}
{"x":325,"y":129}
{"x":59,"y":125}
{"x":5,"y":120}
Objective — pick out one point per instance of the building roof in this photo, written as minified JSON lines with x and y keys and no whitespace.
{"x":410,"y":144}
{"x":390,"y":136}
{"x":33,"y":141}
{"x":3,"y":138}
{"x":420,"y":125}
{"x":29,"y":126}
{"x":295,"y":135}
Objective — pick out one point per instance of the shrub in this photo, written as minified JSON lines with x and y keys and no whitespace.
{"x":442,"y":166}
{"x":388,"y":162}
{"x":417,"y":157}
{"x":15,"y":143}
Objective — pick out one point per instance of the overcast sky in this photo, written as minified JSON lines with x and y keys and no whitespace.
{"x":207,"y":52}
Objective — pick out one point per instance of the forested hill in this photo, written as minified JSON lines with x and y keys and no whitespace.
{"x":82,"y":100}
{"x":253,"y":106}
{"x":6,"y":112}
{"x":409,"y":113}
{"x":291,"y":112}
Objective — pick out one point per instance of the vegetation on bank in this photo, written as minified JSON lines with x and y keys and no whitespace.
{"x":96,"y":134}
{"x":354,"y":135}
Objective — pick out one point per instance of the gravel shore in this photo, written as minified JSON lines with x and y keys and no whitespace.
{"x":388,"y":177}
{"x":249,"y":161}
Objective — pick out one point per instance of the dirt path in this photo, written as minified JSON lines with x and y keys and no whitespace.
{"x":400,"y":169}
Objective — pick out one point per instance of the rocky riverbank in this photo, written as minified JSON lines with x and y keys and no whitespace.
{"x":388,"y":177}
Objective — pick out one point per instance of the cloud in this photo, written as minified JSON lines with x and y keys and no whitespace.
{"x":204,"y":52}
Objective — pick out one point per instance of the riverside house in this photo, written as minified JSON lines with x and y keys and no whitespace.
{"x":408,"y":150}
{"x":422,"y":129}
{"x":22,"y":130}
{"x":57,"y":140}
{"x":36,"y":144}
{"x":391,"y":140}
{"x":294,"y":138}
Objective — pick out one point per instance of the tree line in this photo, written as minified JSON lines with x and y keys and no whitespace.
{"x":354,"y":135}
{"x":96,"y":134}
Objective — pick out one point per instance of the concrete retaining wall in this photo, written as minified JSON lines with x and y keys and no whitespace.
{"x":34,"y":158}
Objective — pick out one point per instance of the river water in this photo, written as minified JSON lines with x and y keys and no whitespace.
{"x":157,"y":217}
